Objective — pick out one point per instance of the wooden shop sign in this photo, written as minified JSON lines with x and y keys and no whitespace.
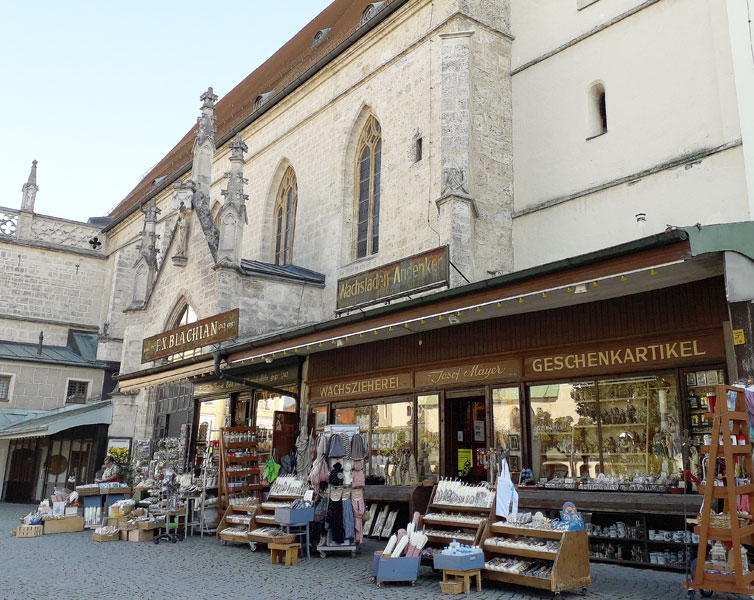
{"x":501,"y":370}
{"x":629,"y":357}
{"x":194,"y":335}
{"x":429,"y":269}
{"x":275,"y":378}
{"x":373,"y":386}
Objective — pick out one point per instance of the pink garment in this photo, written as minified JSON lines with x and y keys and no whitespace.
{"x":358,"y":513}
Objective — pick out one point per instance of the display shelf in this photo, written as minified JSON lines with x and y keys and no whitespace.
{"x":724,"y":422}
{"x":249,"y":478}
{"x":231,"y":518}
{"x":570,"y":569}
{"x":265,"y":517}
{"x":471,"y":528}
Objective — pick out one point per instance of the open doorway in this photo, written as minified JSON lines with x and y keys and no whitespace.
{"x":466,"y":435}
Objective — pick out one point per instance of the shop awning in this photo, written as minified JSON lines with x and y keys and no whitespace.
{"x":198,"y":369}
{"x":51,"y":422}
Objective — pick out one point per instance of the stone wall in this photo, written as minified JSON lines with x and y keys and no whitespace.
{"x":40,"y":386}
{"x":58,"y":287}
{"x":61,"y":232}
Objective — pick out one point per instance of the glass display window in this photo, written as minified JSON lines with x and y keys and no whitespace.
{"x":640,"y":425}
{"x":319,"y":418}
{"x":506,"y":424}
{"x":267,"y":404}
{"x":389,"y":434}
{"x":564,"y":421}
{"x":428,"y":436}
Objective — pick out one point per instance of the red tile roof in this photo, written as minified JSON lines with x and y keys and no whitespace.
{"x":279,"y":72}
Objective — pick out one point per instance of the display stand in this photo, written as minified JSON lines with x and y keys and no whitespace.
{"x":239,"y":468}
{"x":210,"y":474}
{"x":726,"y":425}
{"x":236,"y":516}
{"x":329,"y":546}
{"x":570,"y":562}
{"x":265,"y":517}
{"x":469,"y":520}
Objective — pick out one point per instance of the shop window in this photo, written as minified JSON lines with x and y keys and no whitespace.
{"x":4,"y":388}
{"x":565,"y":440}
{"x":368,"y":175}
{"x":390,"y":443}
{"x":162,"y":423}
{"x":285,"y":218}
{"x":621,"y":427}
{"x":428,"y":432}
{"x":319,"y":418}
{"x":267,"y":404}
{"x":640,"y":424}
{"x":506,"y":423}
{"x":77,"y":391}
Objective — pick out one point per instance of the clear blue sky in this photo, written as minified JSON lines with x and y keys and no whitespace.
{"x":98,"y":92}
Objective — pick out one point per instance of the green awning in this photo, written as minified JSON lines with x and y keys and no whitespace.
{"x":51,"y":422}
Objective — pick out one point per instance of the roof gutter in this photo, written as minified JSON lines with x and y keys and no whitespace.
{"x":381,"y":16}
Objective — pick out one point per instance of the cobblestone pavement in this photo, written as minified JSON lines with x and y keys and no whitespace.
{"x":72,"y":565}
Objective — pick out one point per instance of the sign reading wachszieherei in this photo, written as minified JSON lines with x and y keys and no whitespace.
{"x":402,"y":277}
{"x":194,"y":335}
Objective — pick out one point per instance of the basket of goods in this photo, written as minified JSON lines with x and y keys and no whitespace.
{"x":451,"y":587}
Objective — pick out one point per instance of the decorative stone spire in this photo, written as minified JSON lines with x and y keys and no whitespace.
{"x":232,"y":215}
{"x":29,"y":190}
{"x":204,"y":145}
{"x":146,"y":265}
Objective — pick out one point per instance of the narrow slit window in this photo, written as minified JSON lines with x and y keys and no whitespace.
{"x":369,"y":177}
{"x":418,"y":149}
{"x":596,"y":111}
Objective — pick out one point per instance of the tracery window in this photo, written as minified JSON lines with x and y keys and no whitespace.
{"x":368,"y":174}
{"x":285,"y":218}
{"x":184,"y":317}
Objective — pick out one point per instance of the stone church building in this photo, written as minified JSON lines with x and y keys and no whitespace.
{"x":411,"y":184}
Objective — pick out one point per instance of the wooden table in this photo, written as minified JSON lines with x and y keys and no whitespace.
{"x":466,"y":576}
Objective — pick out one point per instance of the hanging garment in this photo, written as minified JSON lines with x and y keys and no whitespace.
{"x":271,"y":470}
{"x":358,"y":474}
{"x":357,"y":447}
{"x":320,"y":473}
{"x":321,"y":450}
{"x":336,"y":474}
{"x":320,"y":510}
{"x":358,"y":519}
{"x":348,"y":518}
{"x":346,"y":444}
{"x":335,"y":521}
{"x":335,"y":448}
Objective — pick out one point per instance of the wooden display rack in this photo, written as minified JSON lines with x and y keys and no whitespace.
{"x":250,"y":473}
{"x":265,"y":517}
{"x":230,"y":520}
{"x":725,"y":423}
{"x":475,"y":529}
{"x":571,"y":561}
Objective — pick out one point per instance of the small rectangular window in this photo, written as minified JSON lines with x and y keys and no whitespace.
{"x":4,"y":388}
{"x":77,"y":391}
{"x":419,"y":149}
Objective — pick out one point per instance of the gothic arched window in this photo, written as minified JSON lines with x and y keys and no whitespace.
{"x":285,"y":218}
{"x":183,"y":316}
{"x":368,"y":169}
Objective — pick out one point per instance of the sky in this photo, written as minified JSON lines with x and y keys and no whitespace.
{"x":99,"y":92}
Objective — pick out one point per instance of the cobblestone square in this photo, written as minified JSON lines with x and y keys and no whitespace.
{"x":72,"y":565}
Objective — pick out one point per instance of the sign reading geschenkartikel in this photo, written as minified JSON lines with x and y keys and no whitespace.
{"x":194,"y":335}
{"x":429,"y":269}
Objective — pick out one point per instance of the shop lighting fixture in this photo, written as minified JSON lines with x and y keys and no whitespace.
{"x":479,"y":309}
{"x":653,"y":272}
{"x":521,"y":300}
{"x":339,"y":343}
{"x":267,"y":359}
{"x":596,"y":284}
{"x":454,"y":320}
{"x":580,"y":289}
{"x":623,"y":278}
{"x":544,"y":294}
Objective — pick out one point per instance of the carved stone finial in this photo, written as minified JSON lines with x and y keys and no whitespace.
{"x":30,"y":189}
{"x":208,"y":98}
{"x":238,"y":148}
{"x":150,"y":211}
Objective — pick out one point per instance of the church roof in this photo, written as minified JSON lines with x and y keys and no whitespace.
{"x":336,"y":27}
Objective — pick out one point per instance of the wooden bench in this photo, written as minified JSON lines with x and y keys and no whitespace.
{"x":466,"y":576}
{"x":290,"y":551}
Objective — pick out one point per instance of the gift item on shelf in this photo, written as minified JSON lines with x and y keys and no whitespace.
{"x":401,"y":558}
{"x":289,"y":485}
{"x":453,"y":492}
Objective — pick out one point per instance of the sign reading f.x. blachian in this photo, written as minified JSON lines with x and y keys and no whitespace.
{"x":194,"y":335}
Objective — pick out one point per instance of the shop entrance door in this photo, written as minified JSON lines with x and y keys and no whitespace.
{"x":466,"y":435}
